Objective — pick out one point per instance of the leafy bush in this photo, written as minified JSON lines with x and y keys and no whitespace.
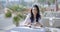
{"x":16,"y":20}
{"x":22,"y":16}
{"x":17,"y":8}
{"x":8,"y":14}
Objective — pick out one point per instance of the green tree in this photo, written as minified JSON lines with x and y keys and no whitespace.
{"x":41,"y":1}
{"x":52,"y":1}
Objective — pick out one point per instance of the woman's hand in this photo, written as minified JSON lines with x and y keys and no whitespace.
{"x":28,"y":24}
{"x":38,"y":24}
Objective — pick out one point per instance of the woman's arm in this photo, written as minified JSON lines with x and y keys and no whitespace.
{"x":27,"y":20}
{"x":40,"y":22}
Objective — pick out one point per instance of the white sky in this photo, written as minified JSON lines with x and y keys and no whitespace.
{"x":9,"y":0}
{"x":29,"y":0}
{"x":18,"y":0}
{"x":13,"y":0}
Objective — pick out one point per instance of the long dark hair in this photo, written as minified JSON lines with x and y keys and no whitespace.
{"x":37,"y":15}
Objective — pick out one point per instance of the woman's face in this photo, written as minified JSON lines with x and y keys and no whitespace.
{"x":34,"y":10}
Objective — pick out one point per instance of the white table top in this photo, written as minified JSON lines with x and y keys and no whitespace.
{"x":27,"y":29}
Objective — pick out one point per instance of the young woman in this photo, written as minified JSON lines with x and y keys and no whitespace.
{"x":33,"y":18}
